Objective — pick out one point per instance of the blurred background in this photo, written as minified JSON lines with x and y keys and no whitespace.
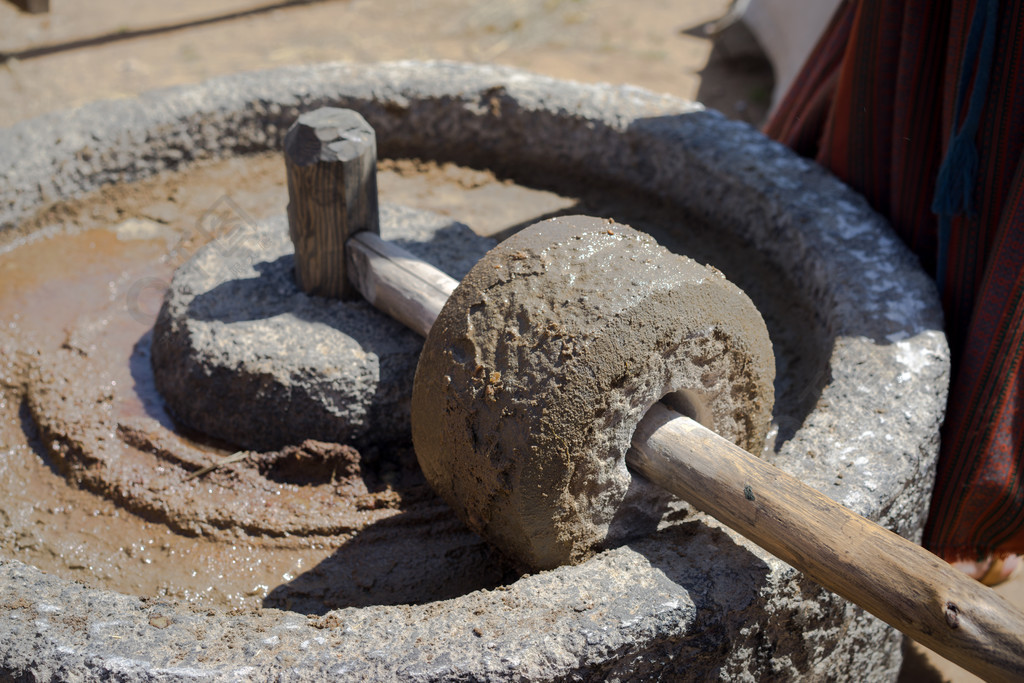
{"x":56,"y":54}
{"x":81,"y":51}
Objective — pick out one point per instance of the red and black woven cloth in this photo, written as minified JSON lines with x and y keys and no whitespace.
{"x":919,"y":105}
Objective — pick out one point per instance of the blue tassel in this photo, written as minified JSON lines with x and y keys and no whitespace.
{"x":954,"y":187}
{"x":954,"y":191}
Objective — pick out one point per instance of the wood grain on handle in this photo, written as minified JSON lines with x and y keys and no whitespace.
{"x":896,"y":580}
{"x":405,"y":287}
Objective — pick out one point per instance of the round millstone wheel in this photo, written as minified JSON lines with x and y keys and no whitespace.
{"x":542,"y":363}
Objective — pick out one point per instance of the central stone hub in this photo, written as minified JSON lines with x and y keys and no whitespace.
{"x":242,"y":354}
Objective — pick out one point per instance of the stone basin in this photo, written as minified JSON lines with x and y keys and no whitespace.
{"x":863,"y":382}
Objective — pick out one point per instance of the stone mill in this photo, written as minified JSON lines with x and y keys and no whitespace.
{"x":274,"y":523}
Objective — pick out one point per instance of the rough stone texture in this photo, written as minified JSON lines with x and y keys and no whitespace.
{"x":346,"y":373}
{"x":523,"y":428}
{"x":689,"y":603}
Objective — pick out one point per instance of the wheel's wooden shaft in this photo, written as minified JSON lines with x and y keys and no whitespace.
{"x":894,"y":579}
{"x":405,"y":287}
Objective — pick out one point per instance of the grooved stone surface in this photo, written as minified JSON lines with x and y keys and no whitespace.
{"x":236,"y":330}
{"x":690,"y":602}
{"x":544,"y":360}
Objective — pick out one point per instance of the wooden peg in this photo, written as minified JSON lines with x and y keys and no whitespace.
{"x":331,"y":161}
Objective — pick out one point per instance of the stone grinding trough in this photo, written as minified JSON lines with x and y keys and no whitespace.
{"x":857,"y":417}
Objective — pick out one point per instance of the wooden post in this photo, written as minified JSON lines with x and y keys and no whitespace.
{"x":331,"y":160}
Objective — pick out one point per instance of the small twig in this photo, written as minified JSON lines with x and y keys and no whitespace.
{"x":227,"y":460}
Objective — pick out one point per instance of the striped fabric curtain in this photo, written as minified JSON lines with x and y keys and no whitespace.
{"x":919,"y":105}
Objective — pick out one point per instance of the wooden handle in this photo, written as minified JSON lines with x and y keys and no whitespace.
{"x":896,"y":580}
{"x":405,"y":287}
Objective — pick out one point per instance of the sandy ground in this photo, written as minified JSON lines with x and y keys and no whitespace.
{"x":80,"y":52}
{"x":643,"y":42}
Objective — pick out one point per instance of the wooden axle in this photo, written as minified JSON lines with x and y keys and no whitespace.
{"x":896,"y":580}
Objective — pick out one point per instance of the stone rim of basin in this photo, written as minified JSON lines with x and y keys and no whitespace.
{"x":888,"y":376}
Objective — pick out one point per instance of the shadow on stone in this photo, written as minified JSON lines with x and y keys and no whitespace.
{"x":415,"y":557}
{"x":738,"y":609}
{"x":723,"y":583}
